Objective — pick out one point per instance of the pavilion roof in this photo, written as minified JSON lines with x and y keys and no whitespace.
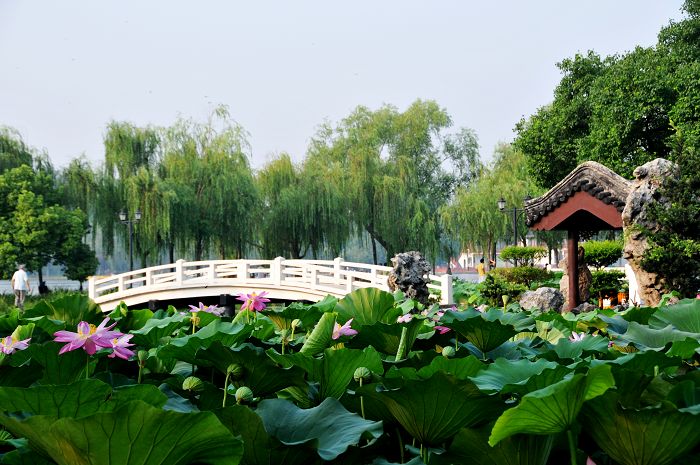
{"x":592,"y":178}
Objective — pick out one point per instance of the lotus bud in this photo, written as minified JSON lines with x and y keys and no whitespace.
{"x":506,"y":299}
{"x":142,"y":356}
{"x":362,"y":373}
{"x":296,"y":322}
{"x":192,"y":383}
{"x":243,"y":394}
{"x":234,"y":370}
{"x":448,"y":351}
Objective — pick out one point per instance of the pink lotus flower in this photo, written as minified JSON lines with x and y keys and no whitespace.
{"x":577,"y":337}
{"x":344,"y":330}
{"x":207,"y":308}
{"x":119,"y":347}
{"x":404,"y":318}
{"x":10,"y":344}
{"x":438,"y":315}
{"x":441,"y":329}
{"x":253,"y":301}
{"x":89,"y":337}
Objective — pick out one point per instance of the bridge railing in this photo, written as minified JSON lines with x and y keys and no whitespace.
{"x":335,"y":277}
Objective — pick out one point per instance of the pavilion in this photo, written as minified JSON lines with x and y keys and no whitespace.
{"x":589,"y":199}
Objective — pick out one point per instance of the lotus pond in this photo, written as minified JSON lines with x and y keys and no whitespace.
{"x":369,"y":379}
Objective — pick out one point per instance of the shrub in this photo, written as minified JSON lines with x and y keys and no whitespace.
{"x":606,"y":283}
{"x":525,"y":275}
{"x":600,"y":254}
{"x":519,"y":255}
{"x":495,"y":287}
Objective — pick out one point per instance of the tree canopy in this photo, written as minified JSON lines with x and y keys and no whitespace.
{"x":622,"y":111}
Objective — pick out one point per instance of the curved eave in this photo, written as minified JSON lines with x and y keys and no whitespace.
{"x":590,"y":187}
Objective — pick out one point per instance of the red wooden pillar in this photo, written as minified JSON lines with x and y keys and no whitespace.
{"x":572,"y":264}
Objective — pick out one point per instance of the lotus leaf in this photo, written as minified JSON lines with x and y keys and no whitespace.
{"x":368,"y":306}
{"x":554,"y":408}
{"x":647,"y":436}
{"x":435,"y":409}
{"x":329,"y":427}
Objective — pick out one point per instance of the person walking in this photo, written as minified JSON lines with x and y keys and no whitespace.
{"x":21,"y":286}
{"x":481,"y":269}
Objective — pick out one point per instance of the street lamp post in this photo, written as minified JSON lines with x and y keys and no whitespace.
{"x":123,"y":217}
{"x":516,"y":212}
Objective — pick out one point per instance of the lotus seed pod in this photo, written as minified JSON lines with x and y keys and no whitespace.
{"x":362,"y":373}
{"x":192,"y":383}
{"x":448,"y":351}
{"x":234,"y":370}
{"x":243,"y":394}
{"x":296,"y":322}
{"x":142,"y":355}
{"x":195,"y":319}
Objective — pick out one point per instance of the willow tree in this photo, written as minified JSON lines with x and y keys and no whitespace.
{"x":128,"y":149}
{"x":207,"y":167}
{"x":78,"y":184}
{"x":303,"y":210}
{"x":13,"y":151}
{"x":396,"y":173}
{"x":473,"y":216}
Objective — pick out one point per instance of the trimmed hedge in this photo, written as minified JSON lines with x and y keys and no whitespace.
{"x":600,"y":254}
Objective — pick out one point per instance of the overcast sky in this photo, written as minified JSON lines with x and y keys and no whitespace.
{"x":283,"y":67}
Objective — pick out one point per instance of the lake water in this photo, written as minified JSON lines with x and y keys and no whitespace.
{"x":54,"y":284}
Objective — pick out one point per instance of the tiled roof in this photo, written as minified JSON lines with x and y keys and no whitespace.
{"x":592,"y":177}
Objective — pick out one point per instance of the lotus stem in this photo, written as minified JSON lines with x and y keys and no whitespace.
{"x":572,"y":445}
{"x":456,"y":342}
{"x":398,"y":434}
{"x":362,"y":403}
{"x":223,"y":404}
{"x":402,"y":344}
{"x":87,"y":365}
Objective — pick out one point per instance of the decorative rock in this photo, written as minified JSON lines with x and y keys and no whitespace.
{"x":584,"y":307}
{"x":635,"y":220}
{"x":544,"y":298}
{"x":410,"y":275}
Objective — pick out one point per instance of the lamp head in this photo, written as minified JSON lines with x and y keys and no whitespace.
{"x":122,"y":215}
{"x":501,"y":204}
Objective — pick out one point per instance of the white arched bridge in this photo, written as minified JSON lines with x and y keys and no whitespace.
{"x":309,"y":280}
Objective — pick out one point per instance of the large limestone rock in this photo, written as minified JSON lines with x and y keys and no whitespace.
{"x":544,"y":298}
{"x":635,"y":220}
{"x":584,"y":278}
{"x":410,"y":275}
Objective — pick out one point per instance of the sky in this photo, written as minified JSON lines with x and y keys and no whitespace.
{"x":69,"y":67}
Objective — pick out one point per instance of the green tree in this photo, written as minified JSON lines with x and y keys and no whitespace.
{"x":79,"y":262}
{"x":395,"y":172}
{"x":206,"y":167}
{"x":13,"y":151}
{"x":621,"y":111}
{"x":473,"y":216}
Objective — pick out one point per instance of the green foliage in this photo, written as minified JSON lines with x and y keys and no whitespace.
{"x":622,"y":111}
{"x":521,"y":255}
{"x":393,"y":175}
{"x":473,"y":218}
{"x":495,"y":287}
{"x":606,"y":283}
{"x":524,"y":275}
{"x":674,"y":251}
{"x":602,"y":253}
{"x":35,"y":229}
{"x":514,"y":378}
